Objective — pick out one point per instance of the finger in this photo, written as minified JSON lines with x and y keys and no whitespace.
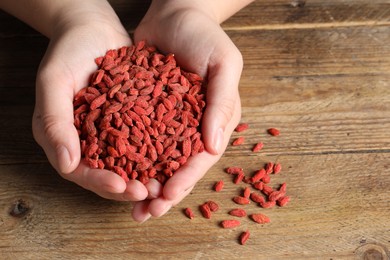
{"x":107,"y":184}
{"x":140,"y":211}
{"x":224,"y":72}
{"x":158,"y":207}
{"x":154,"y":188}
{"x":53,"y":123}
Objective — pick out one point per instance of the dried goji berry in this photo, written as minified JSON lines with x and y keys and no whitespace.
{"x":212,"y":205}
{"x":234,"y":170}
{"x":247,"y":192}
{"x":241,"y":127}
{"x":238,"y":141}
{"x":257,"y":197}
{"x":189,"y":213}
{"x":205,"y":210}
{"x":241,"y":200}
{"x":244,"y":237}
{"x":260,"y":218}
{"x":230,"y":223}
{"x":273,"y":131}
{"x":257,"y":147}
{"x":237,"y":213}
{"x":277,"y":168}
{"x":283,"y":201}
{"x":218,"y":186}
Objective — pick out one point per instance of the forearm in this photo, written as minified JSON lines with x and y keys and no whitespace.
{"x":218,"y":10}
{"x":48,"y":16}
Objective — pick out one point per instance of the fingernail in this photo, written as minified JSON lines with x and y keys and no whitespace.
{"x":144,"y":219}
{"x":218,"y":140}
{"x":64,"y":160}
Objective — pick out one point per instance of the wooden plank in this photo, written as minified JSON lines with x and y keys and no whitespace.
{"x":337,"y":199}
{"x":285,"y":14}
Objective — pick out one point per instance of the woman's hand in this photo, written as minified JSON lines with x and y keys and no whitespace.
{"x":201,"y":46}
{"x":81,"y":31}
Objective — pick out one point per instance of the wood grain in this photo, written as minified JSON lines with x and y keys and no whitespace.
{"x":319,"y":71}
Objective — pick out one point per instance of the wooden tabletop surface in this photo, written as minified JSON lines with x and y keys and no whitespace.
{"x":319,"y":71}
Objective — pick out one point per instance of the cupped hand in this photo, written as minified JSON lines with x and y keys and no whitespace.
{"x":201,"y":46}
{"x":79,"y":37}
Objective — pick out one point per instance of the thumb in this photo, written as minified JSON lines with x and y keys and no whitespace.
{"x":224,"y":73}
{"x":53,"y":127}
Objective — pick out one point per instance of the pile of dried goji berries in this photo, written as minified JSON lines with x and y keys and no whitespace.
{"x":258,"y":190}
{"x":140,"y":114}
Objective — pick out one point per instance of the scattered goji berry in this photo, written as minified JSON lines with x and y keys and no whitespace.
{"x":241,"y":127}
{"x":205,"y":210}
{"x":283,"y":201}
{"x":212,"y":205}
{"x":188,"y":212}
{"x":277,"y":168}
{"x":244,"y":237}
{"x":234,"y":170}
{"x":267,"y":204}
{"x":230,"y":223}
{"x":258,"y":147}
{"x":260,"y":218}
{"x":218,"y":186}
{"x":247,"y":192}
{"x":273,"y":131}
{"x":238,"y":178}
{"x":237,"y":213}
{"x":238,"y":141}
{"x":255,"y":197}
{"x":241,"y":200}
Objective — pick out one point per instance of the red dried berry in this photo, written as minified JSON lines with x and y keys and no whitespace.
{"x":247,"y":192}
{"x":269,"y":167}
{"x":238,"y":141}
{"x":218,"y":186}
{"x":234,"y":170}
{"x":205,"y":210}
{"x":255,"y":197}
{"x":257,"y":147}
{"x":267,"y":204}
{"x":244,"y":237}
{"x":230,"y":223}
{"x":241,"y":200}
{"x":238,"y":178}
{"x":188,"y":212}
{"x":277,"y":168}
{"x":237,"y":213}
{"x":241,"y":127}
{"x":273,"y":131}
{"x":283,"y":201}
{"x":260,"y":218}
{"x":212,"y":205}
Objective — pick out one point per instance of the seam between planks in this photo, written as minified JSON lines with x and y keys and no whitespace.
{"x":270,"y":27}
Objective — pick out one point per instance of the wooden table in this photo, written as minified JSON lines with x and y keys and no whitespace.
{"x":320,"y":72}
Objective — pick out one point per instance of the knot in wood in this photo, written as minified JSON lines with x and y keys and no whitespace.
{"x":19,"y":209}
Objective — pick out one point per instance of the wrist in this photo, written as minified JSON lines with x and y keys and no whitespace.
{"x":217,"y":10}
{"x":166,"y":8}
{"x":81,"y":14}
